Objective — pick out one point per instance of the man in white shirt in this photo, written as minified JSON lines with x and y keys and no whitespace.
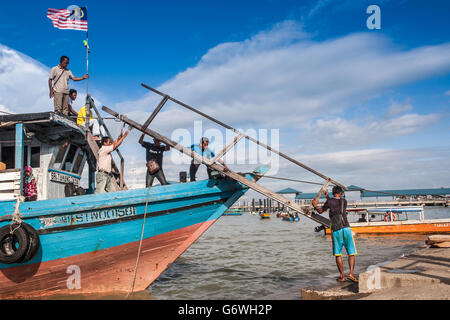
{"x":104,"y":176}
{"x":58,"y":84}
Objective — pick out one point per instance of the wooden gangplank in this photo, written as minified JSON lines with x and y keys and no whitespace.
{"x":308,"y":212}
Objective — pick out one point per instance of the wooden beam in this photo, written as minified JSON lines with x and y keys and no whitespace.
{"x":222,"y":152}
{"x":246,"y":136}
{"x":155,"y":112}
{"x":322,"y":190}
{"x":251,"y":184}
{"x":19,"y":152}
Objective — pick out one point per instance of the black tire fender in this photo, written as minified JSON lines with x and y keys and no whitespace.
{"x":8,"y":252}
{"x":34,"y":242}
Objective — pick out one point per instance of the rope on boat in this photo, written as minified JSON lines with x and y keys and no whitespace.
{"x":16,"y":219}
{"x":140,"y":245}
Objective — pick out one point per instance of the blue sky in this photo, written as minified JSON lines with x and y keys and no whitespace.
{"x":338,"y":92}
{"x":154,"y":40}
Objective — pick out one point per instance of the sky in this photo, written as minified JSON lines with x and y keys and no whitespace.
{"x":368,"y":107}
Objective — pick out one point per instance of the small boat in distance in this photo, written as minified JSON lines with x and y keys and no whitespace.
{"x":395,"y":220}
{"x":291,"y":218}
{"x":234,"y":212}
{"x":264,"y":215}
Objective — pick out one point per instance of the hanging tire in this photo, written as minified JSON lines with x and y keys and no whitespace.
{"x":13,"y":246}
{"x":33,"y":245}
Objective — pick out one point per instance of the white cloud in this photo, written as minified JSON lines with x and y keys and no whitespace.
{"x":447,"y":93}
{"x":338,"y":133}
{"x":23,"y":83}
{"x":398,"y":107}
{"x":282,"y":78}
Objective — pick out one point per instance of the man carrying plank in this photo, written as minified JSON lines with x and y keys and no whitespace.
{"x":104,"y":176}
{"x":341,"y":232}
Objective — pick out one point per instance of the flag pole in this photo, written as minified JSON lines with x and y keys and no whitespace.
{"x":87,"y":63}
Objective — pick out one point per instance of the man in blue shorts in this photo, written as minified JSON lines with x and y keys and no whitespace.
{"x":341,"y":232}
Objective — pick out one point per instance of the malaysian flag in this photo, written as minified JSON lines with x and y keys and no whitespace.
{"x":73,"y":18}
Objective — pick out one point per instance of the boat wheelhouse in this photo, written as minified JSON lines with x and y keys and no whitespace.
{"x":52,"y":145}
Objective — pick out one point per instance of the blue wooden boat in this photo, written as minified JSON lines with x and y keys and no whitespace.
{"x":291,"y":218}
{"x":90,"y":243}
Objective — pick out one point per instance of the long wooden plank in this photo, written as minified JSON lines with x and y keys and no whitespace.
{"x":251,"y":184}
{"x":222,"y":152}
{"x":155,"y":112}
{"x":101,"y":121}
{"x":94,"y":147}
{"x":246,"y":136}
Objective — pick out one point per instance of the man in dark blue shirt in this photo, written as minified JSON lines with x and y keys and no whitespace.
{"x":154,"y":152}
{"x":341,"y":232}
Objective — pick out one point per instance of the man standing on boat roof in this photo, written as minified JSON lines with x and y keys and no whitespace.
{"x":154,"y":153}
{"x":58,"y":84}
{"x":104,"y":176}
{"x":341,"y":232}
{"x":203,"y":150}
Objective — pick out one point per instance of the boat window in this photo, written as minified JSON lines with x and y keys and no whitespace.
{"x":60,"y":156}
{"x":78,"y":161}
{"x":35,"y":161}
{"x":68,"y":161}
{"x":25,"y":156}
{"x":8,"y":156}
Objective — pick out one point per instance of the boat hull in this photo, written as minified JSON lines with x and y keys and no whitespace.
{"x":89,"y":244}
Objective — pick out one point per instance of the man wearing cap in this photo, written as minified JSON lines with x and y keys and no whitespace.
{"x":341,"y":233}
{"x":203,"y":150}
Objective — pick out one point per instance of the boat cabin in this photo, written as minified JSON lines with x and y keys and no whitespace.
{"x":54,"y":147}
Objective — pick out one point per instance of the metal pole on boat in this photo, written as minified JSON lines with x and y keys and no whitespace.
{"x":246,"y":136}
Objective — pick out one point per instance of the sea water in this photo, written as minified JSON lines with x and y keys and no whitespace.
{"x":246,"y":257}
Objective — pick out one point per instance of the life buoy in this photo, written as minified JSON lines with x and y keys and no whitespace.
{"x":19,"y":246}
{"x":387,"y":216}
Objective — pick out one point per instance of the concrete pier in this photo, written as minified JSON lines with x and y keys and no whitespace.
{"x":422,"y":275}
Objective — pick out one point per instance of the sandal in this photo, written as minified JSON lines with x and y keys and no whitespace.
{"x":353,"y":279}
{"x":340,"y":279}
